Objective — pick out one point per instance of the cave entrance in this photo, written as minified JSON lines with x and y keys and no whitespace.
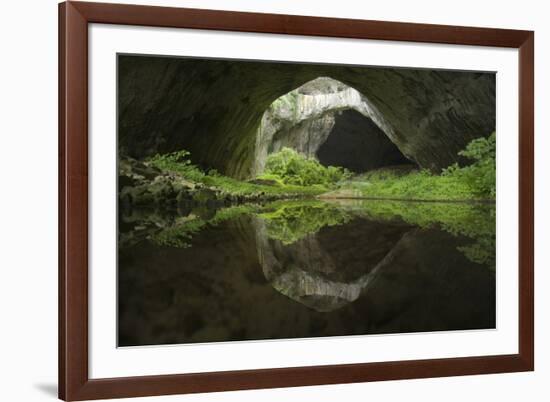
{"x":332,"y":122}
{"x":358,"y":144}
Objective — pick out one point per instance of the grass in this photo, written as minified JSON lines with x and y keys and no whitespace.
{"x":237,"y":187}
{"x":415,"y":185}
{"x":476,"y":181}
{"x":289,"y":173}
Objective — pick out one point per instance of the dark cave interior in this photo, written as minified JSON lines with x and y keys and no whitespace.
{"x":357,"y":143}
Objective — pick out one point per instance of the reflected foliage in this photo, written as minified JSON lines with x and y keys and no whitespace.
{"x":181,"y":231}
{"x":287,"y":221}
{"x":474,"y":221}
{"x":290,"y":222}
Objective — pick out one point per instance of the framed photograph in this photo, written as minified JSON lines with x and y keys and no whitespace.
{"x":260,"y":200}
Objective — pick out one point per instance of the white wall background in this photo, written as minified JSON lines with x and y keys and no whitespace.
{"x":28,"y":200}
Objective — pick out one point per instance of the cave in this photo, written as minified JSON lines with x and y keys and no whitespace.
{"x":213,"y":108}
{"x":358,"y":144}
{"x":332,"y":122}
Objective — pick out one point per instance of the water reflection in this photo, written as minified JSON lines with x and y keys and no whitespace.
{"x":326,"y":269}
{"x":304,"y":269}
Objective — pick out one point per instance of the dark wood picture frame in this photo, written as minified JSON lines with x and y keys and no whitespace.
{"x":74,"y":381}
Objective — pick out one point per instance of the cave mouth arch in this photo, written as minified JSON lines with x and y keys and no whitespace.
{"x":332,"y":122}
{"x":213,"y":107}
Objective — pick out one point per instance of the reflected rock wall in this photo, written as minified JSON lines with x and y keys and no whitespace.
{"x":234,"y":283}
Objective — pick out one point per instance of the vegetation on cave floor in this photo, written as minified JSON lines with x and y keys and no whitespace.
{"x":420,"y":185}
{"x":288,"y":174}
{"x":469,"y":183}
{"x":293,"y":168}
{"x":476,"y":181}
{"x":179,"y":163}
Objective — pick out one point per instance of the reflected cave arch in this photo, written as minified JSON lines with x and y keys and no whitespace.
{"x":213,"y":107}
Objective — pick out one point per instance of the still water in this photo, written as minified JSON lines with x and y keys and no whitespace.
{"x":295,"y":269}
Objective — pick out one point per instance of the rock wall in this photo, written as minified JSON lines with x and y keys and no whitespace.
{"x":304,"y":118}
{"x":213,"y":108}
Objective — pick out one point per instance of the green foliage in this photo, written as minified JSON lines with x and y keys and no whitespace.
{"x":291,"y":167}
{"x":476,"y":181}
{"x":178,"y":162}
{"x":481,"y":148}
{"x":238,"y":187}
{"x":415,"y":185}
{"x":481,"y":174}
{"x":289,"y":173}
{"x":289,"y":222}
{"x":288,"y":101}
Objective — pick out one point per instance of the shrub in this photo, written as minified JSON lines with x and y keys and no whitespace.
{"x":295,"y":168}
{"x":480,"y":176}
{"x":180,"y":163}
{"x":476,"y":181}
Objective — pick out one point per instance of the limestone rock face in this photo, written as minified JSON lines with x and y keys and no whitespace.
{"x":213,"y":108}
{"x":304,"y":119}
{"x":330,"y":121}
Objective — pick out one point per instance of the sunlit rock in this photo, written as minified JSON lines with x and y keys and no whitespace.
{"x":324,"y":108}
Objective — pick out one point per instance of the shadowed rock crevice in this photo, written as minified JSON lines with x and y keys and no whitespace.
{"x":213,"y":108}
